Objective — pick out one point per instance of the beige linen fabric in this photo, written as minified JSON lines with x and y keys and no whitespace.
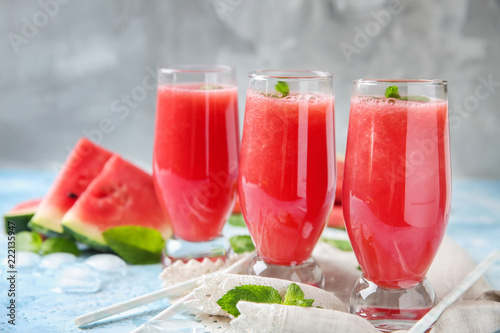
{"x":451,"y":264}
{"x":480,"y":316}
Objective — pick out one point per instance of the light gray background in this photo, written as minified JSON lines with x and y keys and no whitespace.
{"x":67,"y":67}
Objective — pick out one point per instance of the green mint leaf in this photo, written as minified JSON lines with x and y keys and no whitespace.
{"x":392,"y":92}
{"x":59,"y":244}
{"x":283,"y":88}
{"x":343,"y":245}
{"x":209,"y":87}
{"x":237,"y":220}
{"x":136,"y":245}
{"x":295,"y":296}
{"x":241,"y":243}
{"x":28,"y":241}
{"x":250,"y":293}
{"x":293,"y":292}
{"x":358,"y":268}
{"x":415,"y":98}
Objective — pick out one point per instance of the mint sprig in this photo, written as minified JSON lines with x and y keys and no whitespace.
{"x":28,"y":241}
{"x":262,"y":294}
{"x":283,"y":88}
{"x":295,"y":296}
{"x":59,"y":244}
{"x":237,"y":220}
{"x":415,"y":98}
{"x":250,"y":293}
{"x":340,"y":244}
{"x":393,"y":92}
{"x":241,"y":243}
{"x":135,"y":244}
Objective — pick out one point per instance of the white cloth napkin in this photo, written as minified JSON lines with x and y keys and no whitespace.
{"x":212,"y":288}
{"x":451,"y":264}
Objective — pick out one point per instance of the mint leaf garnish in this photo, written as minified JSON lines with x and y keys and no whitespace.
{"x":392,"y":92}
{"x":250,"y":293}
{"x":262,"y":294}
{"x":295,"y":296}
{"x":237,"y":220}
{"x":241,"y":243}
{"x":136,"y":245}
{"x":59,"y":244}
{"x":209,"y":87}
{"x":283,"y":88}
{"x":343,"y":245}
{"x":415,"y":98}
{"x":28,"y":241}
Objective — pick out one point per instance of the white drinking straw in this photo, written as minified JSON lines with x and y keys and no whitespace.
{"x":178,"y":306}
{"x":156,"y":295}
{"x":169,"y":312}
{"x":426,"y":321}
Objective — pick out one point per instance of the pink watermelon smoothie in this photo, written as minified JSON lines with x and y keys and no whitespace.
{"x":83,"y":164}
{"x":396,"y":191}
{"x":122,"y":194}
{"x":195,"y":163}
{"x":287,"y":173}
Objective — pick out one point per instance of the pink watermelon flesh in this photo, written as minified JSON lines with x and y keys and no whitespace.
{"x":82,"y":166}
{"x":121,"y":194}
{"x":25,"y":207}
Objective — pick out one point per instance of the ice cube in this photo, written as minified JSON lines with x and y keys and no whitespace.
{"x":26,"y":260}
{"x":51,"y":262}
{"x":109,"y":266}
{"x":77,"y":278}
{"x":173,"y":325}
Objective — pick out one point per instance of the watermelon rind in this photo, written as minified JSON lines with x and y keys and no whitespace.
{"x":20,"y":215}
{"x":42,"y":230}
{"x":19,"y":222}
{"x":76,"y":233}
{"x":45,"y":225}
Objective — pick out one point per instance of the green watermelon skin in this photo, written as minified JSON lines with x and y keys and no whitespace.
{"x":121,"y":194}
{"x":84,"y":163}
{"x":85,"y":240}
{"x":20,"y":215}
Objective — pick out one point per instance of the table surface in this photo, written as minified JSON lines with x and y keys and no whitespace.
{"x":41,"y":307}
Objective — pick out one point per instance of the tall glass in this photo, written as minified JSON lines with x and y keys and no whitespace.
{"x":195,"y":162}
{"x":396,"y":195}
{"x":287,"y":174}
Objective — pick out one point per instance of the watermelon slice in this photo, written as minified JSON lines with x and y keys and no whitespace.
{"x":83,"y":164}
{"x":120,"y":195}
{"x":21,"y":214}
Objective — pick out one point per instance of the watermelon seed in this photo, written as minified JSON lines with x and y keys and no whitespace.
{"x":72,"y":195}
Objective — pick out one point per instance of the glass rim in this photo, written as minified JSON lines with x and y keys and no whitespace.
{"x":195,"y":68}
{"x":300,"y":74}
{"x":437,"y":82}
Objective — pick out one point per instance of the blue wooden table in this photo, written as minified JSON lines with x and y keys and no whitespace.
{"x":41,"y":307}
